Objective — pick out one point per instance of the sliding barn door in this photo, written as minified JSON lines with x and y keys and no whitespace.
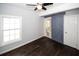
{"x":57,"y":27}
{"x":70,"y":30}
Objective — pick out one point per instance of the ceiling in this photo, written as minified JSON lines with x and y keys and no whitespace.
{"x":31,"y":8}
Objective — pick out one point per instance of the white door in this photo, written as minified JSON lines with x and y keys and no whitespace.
{"x":70,"y":30}
{"x":78,"y":32}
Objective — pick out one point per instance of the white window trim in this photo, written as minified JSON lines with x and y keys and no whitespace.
{"x":1,"y":31}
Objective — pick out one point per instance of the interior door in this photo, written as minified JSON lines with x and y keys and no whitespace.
{"x":57,"y":27}
{"x":78,"y":32}
{"x":70,"y":30}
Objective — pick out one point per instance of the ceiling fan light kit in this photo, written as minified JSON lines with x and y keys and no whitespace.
{"x":40,"y":6}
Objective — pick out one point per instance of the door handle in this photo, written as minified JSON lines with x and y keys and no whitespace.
{"x":65,"y":32}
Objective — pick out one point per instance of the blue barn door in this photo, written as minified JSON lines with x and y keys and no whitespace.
{"x":57,"y":23}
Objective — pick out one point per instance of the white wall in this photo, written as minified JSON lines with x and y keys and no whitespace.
{"x":59,"y":8}
{"x":72,"y":12}
{"x":31,"y":24}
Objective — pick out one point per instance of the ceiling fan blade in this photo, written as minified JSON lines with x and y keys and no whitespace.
{"x":46,"y":4}
{"x":30,"y":4}
{"x":44,"y":8}
{"x":35,"y":9}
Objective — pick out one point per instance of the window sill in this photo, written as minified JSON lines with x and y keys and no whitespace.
{"x":10,"y":42}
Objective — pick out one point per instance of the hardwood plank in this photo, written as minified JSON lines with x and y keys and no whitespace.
{"x":43,"y":47}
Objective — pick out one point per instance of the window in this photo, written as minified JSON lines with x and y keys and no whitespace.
{"x":11,"y":29}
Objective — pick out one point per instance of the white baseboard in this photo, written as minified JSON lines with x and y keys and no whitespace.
{"x":19,"y":45}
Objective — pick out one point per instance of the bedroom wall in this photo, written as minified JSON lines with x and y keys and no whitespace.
{"x":31,"y":25}
{"x":72,"y":12}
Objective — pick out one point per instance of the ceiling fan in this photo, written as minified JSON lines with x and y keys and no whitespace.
{"x":40,"y":6}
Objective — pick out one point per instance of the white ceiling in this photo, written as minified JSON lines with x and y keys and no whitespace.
{"x":23,"y":5}
{"x":31,"y":8}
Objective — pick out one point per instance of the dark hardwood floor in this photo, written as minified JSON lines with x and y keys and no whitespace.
{"x":43,"y":47}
